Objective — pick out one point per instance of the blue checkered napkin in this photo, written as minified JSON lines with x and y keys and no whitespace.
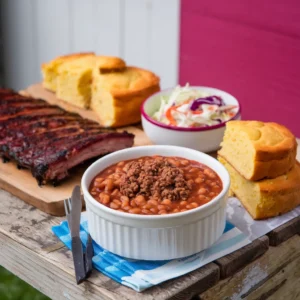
{"x":140,"y":275}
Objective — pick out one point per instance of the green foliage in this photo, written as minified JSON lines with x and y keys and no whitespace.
{"x":13,"y":288}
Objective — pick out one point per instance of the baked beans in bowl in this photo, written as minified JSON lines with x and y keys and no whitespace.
{"x":155,"y":185}
{"x":156,"y":202}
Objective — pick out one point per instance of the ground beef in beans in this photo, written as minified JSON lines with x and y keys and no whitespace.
{"x":155,"y":179}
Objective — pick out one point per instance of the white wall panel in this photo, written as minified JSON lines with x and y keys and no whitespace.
{"x":96,"y":26}
{"x":19,"y":47}
{"x":165,"y":33}
{"x":152,"y":37}
{"x":52,"y":33}
{"x":136,"y":28}
{"x":143,"y":32}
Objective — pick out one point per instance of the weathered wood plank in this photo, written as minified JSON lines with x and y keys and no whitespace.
{"x":46,"y":276}
{"x":31,"y":251}
{"x":284,"y":285}
{"x":233,"y":262}
{"x":254,"y":275}
{"x":284,"y":232}
{"x":199,"y":280}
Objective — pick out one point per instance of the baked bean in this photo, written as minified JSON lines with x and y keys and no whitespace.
{"x":168,"y":208}
{"x":191,"y":182}
{"x":202,"y":191}
{"x":199,"y":180}
{"x":208,"y":181}
{"x":215,"y":188}
{"x":135,"y":210}
{"x":174,"y":162}
{"x":99,"y":185}
{"x":193,"y":170}
{"x":124,"y":198}
{"x":209,"y":173}
{"x":152,"y":202}
{"x":132,"y":203}
{"x":125,"y":203}
{"x":161,"y":207}
{"x":115,"y":193}
{"x":109,"y":184}
{"x":99,"y":179}
{"x":154,"y":210}
{"x":202,"y":197}
{"x":118,"y":202}
{"x":166,"y":202}
{"x":201,"y":184}
{"x":105,"y":198}
{"x":147,"y":206}
{"x":184,"y":162}
{"x":140,"y":200}
{"x":114,"y":205}
{"x":119,"y":171}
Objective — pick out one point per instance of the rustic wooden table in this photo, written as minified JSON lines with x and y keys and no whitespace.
{"x":30,"y":250}
{"x":266,"y":269}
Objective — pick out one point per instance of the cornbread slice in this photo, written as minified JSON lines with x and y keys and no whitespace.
{"x":117,"y":96}
{"x":268,"y":197}
{"x":259,"y":150}
{"x":50,"y":69}
{"x":75,"y":77}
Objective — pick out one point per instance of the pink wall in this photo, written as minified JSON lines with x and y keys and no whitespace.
{"x":250,"y":49}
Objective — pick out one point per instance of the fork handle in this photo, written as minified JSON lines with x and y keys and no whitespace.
{"x":78,"y":259}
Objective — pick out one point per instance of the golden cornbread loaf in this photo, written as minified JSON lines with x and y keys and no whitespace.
{"x":117,"y":96}
{"x":75,"y":77}
{"x":50,"y":69}
{"x":259,"y":150}
{"x":268,"y":197}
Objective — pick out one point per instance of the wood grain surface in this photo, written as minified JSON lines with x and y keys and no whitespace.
{"x":48,"y":198}
{"x":263,"y":276}
{"x":31,"y":251}
{"x":284,"y":232}
{"x":235,"y":261}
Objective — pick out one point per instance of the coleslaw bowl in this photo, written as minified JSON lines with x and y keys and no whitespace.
{"x":156,"y":237}
{"x":205,"y":139}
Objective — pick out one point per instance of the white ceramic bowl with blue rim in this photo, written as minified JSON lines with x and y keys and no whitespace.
{"x":205,"y":139}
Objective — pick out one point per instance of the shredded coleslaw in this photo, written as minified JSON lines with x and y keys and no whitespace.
{"x":188,"y":107}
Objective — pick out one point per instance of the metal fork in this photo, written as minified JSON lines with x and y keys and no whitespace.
{"x":68,"y":208}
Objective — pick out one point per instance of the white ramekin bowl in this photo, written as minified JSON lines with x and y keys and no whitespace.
{"x":156,"y":237}
{"x":205,"y":139}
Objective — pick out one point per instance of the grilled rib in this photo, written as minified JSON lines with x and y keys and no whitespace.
{"x":50,"y":141}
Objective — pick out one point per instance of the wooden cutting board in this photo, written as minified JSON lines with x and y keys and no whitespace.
{"x":48,"y":198}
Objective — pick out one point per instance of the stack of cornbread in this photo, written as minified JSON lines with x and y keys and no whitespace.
{"x":261,"y":160}
{"x":101,"y":83}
